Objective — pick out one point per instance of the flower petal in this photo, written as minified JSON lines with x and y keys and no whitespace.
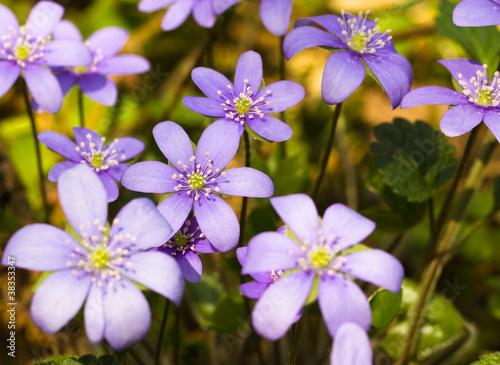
{"x":307,"y":37}
{"x":148,"y":6}
{"x":141,"y":220}
{"x":83,"y":200}
{"x":116,"y":172}
{"x":351,"y":346}
{"x":210,"y":82}
{"x":221,"y":140}
{"x":175,"y":209}
{"x":109,"y":40}
{"x":122,"y":330}
{"x":7,"y":20}
{"x":299,"y":213}
{"x":60,"y":144}
{"x":394,"y":73}
{"x":99,"y":89}
{"x":58,"y":299}
{"x":86,"y":136}
{"x":126,"y":147}
{"x":58,"y":169}
{"x":330,"y":22}
{"x":110,"y":186}
{"x":270,"y":128}
{"x":150,"y":177}
{"x":217,"y":222}
{"x":9,"y":72}
{"x":203,"y":13}
{"x":278,"y":307}
{"x":343,"y":74}
{"x":341,"y":301}
{"x":158,"y":272}
{"x":376,"y":267}
{"x":275,"y":15}
{"x":126,"y":64}
{"x":347,"y":226}
{"x":67,"y":30}
{"x":94,"y":315}
{"x":270,"y":251}
{"x":221,"y":6}
{"x":40,"y":247}
{"x":245,"y":181}
{"x":476,"y":13}
{"x":177,"y":14}
{"x":204,"y":106}
{"x":461,"y":119}
{"x":66,"y":81}
{"x":464,"y":66}
{"x":281,"y":95}
{"x":44,"y":87}
{"x":191,"y":267}
{"x":261,"y":277}
{"x":249,"y":67}
{"x":433,"y":95}
{"x":253,"y":290}
{"x":174,"y":143}
{"x":492,"y":121}
{"x":66,"y":53}
{"x":43,"y":18}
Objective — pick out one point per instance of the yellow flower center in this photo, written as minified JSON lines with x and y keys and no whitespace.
{"x":100,"y":257}
{"x":243,"y":105}
{"x":320,"y":257}
{"x":97,"y":160}
{"x":196,"y":181}
{"x":180,"y":239}
{"x":23,"y":52}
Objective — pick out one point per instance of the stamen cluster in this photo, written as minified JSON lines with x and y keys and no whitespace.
{"x":361,"y":37}
{"x":197,"y":179}
{"x":243,"y":104}
{"x":99,"y":159}
{"x":480,"y":93}
{"x":184,"y":241}
{"x":19,"y":46}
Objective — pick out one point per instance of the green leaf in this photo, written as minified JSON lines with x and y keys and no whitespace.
{"x":443,"y":326}
{"x":414,"y":159}
{"x":480,"y":42}
{"x":59,"y":360}
{"x":490,"y":359}
{"x":88,"y":359}
{"x":230,"y":315}
{"x":41,"y":278}
{"x":108,"y":360}
{"x":385,"y":305}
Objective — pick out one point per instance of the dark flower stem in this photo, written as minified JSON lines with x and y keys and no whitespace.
{"x":283,"y":148}
{"x":430,"y":204}
{"x":37,"y":149}
{"x":244,"y":204}
{"x":136,"y":356}
{"x":328,"y":148}
{"x":297,"y":330}
{"x":445,"y":210}
{"x":81,"y":111}
{"x":177,"y":333}
{"x":443,"y":253}
{"x":162,"y":333}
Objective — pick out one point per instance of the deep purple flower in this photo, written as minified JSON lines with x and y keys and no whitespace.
{"x":316,"y":257}
{"x":275,"y":14}
{"x":478,"y":101}
{"x":351,"y":346}
{"x":90,"y":149}
{"x":104,"y":46}
{"x":359,"y":42}
{"x":179,"y":10}
{"x":29,"y":49}
{"x":477,"y":13}
{"x":245,"y":101}
{"x":98,"y":266}
{"x":197,"y":179}
{"x":185,"y":246}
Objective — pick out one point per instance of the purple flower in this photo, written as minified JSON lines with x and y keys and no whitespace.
{"x":275,"y":14}
{"x":104,"y":46}
{"x":245,"y":101}
{"x":351,"y":346}
{"x":478,"y":100}
{"x":90,"y":149}
{"x":185,"y":246}
{"x":316,"y":263}
{"x":100,"y":265}
{"x":197,"y":179}
{"x":477,"y":13}
{"x":360,"y":43}
{"x":29,"y":49}
{"x":179,"y":10}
